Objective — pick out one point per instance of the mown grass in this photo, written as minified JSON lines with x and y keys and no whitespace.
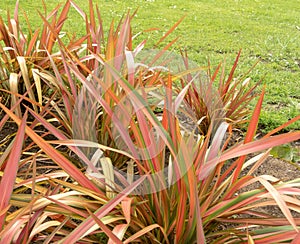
{"x":265,"y":30}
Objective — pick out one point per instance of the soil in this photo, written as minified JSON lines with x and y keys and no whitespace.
{"x":280,"y":169}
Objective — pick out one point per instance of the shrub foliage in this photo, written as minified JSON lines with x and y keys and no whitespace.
{"x":107,"y":141}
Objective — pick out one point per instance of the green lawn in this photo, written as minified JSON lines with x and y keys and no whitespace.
{"x":216,"y":29}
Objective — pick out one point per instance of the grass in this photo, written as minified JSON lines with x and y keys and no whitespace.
{"x":215,"y":30}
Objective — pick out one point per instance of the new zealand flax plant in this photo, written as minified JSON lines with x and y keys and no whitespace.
{"x":137,"y":177}
{"x":232,"y":102}
{"x":25,"y":66}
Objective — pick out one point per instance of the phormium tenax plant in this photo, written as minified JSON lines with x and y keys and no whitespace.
{"x":120,"y":143}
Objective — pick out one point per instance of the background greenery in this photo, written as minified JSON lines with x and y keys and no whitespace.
{"x":216,"y":29}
